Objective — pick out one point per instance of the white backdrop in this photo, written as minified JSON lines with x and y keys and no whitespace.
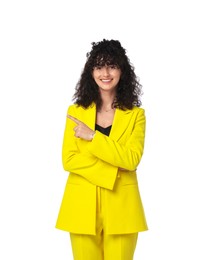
{"x":42,"y":52}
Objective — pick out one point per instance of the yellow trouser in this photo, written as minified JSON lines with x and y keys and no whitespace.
{"x":102,"y":246}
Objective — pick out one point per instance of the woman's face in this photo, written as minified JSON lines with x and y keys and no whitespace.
{"x":106,"y":77}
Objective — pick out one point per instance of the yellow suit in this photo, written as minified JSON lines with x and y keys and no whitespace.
{"x":96,"y":163}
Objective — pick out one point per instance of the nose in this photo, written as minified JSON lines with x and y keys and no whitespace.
{"x":105,"y":71}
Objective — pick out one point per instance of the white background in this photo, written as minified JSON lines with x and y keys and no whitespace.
{"x":42,"y":52}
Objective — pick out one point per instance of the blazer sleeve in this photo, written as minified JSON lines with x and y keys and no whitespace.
{"x":126,"y":155}
{"x":83,"y":163}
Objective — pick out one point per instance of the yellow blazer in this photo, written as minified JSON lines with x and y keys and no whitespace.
{"x":96,"y":163}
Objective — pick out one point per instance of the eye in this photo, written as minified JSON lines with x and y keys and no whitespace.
{"x":113,"y":66}
{"x":98,"y":67}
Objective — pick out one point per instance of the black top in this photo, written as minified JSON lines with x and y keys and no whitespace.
{"x":103,"y":130}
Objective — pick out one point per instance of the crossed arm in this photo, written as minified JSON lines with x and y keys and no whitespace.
{"x":102,"y":157}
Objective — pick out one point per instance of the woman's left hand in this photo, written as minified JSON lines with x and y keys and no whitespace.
{"x":82,"y":130}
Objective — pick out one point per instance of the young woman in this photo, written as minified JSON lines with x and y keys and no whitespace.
{"x":103,"y":145}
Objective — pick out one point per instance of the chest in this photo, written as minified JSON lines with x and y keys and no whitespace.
{"x":105,"y":119}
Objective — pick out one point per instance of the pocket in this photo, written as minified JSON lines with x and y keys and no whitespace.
{"x":130,"y":184}
{"x":76,"y":179}
{"x":127,"y":179}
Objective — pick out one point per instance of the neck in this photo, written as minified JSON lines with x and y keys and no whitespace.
{"x":107,"y":100}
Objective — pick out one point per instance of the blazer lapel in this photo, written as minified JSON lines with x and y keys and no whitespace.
{"x":89,"y":116}
{"x":120,"y":123}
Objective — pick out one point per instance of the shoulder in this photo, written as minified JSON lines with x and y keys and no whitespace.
{"x":138,"y":113}
{"x":137,"y":110}
{"x":74,"y":107}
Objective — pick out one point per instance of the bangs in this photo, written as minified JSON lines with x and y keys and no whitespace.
{"x":105,"y":60}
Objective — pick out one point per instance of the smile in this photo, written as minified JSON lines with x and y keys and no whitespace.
{"x":106,"y":80}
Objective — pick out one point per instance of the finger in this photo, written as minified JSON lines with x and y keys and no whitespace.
{"x":75,"y":128}
{"x":74,"y":119}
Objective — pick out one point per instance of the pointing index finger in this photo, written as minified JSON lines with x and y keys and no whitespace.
{"x":73,"y":119}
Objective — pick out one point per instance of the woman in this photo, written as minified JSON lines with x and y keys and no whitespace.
{"x":102,"y":147}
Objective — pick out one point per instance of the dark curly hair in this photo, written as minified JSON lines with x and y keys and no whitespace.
{"x":128,"y":91}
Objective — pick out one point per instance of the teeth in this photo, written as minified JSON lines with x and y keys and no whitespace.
{"x":105,"y":80}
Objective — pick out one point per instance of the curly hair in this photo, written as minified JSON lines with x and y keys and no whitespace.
{"x":128,"y":91}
